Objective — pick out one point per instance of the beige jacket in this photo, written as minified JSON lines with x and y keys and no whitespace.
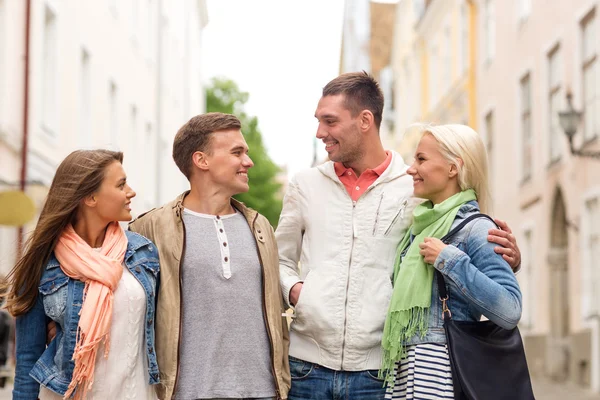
{"x":164,"y":226}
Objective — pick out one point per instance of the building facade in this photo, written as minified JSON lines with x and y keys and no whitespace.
{"x":101,"y":74}
{"x":531,"y":56}
{"x":433,"y":64}
{"x":504,"y":68}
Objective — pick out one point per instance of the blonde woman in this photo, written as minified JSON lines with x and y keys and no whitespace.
{"x":450,"y":173}
{"x":95,"y":281}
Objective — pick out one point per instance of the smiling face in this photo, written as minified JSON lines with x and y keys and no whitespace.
{"x":113,"y":198}
{"x":434,"y":178}
{"x":227,"y":161}
{"x":339,"y":130}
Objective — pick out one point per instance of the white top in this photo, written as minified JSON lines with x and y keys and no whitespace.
{"x":124,"y":374}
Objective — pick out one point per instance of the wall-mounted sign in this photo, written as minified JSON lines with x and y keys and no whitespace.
{"x":16,"y":208}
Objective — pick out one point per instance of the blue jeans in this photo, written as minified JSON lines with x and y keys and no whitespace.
{"x":315,"y":382}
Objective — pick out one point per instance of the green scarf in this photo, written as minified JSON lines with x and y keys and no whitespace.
{"x":409,"y":307}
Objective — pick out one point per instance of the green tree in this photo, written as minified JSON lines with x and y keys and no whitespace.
{"x":223,"y":95}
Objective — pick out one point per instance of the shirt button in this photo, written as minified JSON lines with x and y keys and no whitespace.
{"x":258,"y":230}
{"x":357,"y":188}
{"x":138,"y":269}
{"x":224,"y":244}
{"x":221,"y":230}
{"x":349,"y":173}
{"x":218,"y":217}
{"x":226,"y":259}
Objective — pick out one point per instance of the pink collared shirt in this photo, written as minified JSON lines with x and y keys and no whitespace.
{"x":356,"y":186}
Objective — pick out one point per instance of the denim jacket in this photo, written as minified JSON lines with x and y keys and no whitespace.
{"x":60,"y":300}
{"x":479,"y":281}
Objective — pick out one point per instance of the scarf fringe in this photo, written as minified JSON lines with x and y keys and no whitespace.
{"x":403,"y":325}
{"x":85,"y":360}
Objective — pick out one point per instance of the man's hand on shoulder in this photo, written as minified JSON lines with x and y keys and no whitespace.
{"x":505,"y":238}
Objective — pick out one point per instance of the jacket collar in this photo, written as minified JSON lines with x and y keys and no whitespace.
{"x":396,"y":169}
{"x":134,"y":242}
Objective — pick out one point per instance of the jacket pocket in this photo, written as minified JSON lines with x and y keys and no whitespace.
{"x":398,"y":216}
{"x":54,"y":295}
{"x":152,"y":266}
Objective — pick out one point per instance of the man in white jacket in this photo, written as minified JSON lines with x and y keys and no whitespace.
{"x":337,"y":235}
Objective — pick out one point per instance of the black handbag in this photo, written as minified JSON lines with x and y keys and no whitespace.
{"x":488,"y":362}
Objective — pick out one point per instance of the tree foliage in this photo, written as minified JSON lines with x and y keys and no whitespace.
{"x":223,"y":95}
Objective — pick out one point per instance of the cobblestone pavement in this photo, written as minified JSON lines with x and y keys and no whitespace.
{"x":547,"y":390}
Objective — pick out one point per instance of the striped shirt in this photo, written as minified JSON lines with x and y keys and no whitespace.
{"x":423,"y":374}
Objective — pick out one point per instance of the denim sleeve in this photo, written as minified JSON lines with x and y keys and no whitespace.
{"x":31,"y":343}
{"x":483,"y":276}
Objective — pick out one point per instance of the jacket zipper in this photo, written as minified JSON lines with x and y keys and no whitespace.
{"x":180,"y":302}
{"x":348,"y":284}
{"x":400,"y":214}
{"x":377,"y":214}
{"x":264,"y":307}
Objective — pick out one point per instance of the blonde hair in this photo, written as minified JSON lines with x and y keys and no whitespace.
{"x":460,"y":142}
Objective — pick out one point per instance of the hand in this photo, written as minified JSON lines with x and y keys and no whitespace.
{"x":295,"y":293}
{"x":431,"y":248}
{"x":50,"y":331}
{"x":504,"y":237}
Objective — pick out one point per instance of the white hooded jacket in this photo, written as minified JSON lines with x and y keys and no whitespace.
{"x":344,"y":253}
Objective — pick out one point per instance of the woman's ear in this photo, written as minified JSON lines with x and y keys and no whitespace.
{"x":90,"y":201}
{"x":454,"y":168}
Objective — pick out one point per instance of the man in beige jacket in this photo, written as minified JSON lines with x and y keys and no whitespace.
{"x":220,"y":332}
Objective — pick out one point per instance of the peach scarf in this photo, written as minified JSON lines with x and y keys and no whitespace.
{"x":101,"y":271}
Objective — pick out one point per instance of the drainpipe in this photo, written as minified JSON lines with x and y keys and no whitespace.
{"x":25,"y":143}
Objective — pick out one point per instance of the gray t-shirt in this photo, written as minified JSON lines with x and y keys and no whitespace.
{"x":225,"y":350}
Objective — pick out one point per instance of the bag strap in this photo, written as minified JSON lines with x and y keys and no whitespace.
{"x":443,"y":293}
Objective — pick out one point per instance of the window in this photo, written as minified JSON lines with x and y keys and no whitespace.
{"x":114,"y":115}
{"x":526,"y":280}
{"x":464,"y":38}
{"x":85,"y":101}
{"x":523,"y":9}
{"x":2,"y":49}
{"x":433,"y":64}
{"x":488,"y":141}
{"x":554,"y":104}
{"x":150,"y":31}
{"x":489,"y":14}
{"x":447,"y":75}
{"x":591,"y":78}
{"x":591,"y":246}
{"x":49,"y":66}
{"x":133,"y":128}
{"x":526,"y":132}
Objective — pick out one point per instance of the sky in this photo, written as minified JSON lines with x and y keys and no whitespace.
{"x":282,"y":53}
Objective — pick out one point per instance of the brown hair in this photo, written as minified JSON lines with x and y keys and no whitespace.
{"x":361,"y":92}
{"x":78,"y":176}
{"x":195,"y":136}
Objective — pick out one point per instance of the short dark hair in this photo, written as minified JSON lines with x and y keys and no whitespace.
{"x":195,"y":136}
{"x":361,"y":92}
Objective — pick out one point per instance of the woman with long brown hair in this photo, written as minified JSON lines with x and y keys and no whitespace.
{"x":97,"y":283}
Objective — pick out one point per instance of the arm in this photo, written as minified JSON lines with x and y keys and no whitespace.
{"x":31,"y":343}
{"x":289,"y":241}
{"x":482,"y":276}
{"x":508,"y":244}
